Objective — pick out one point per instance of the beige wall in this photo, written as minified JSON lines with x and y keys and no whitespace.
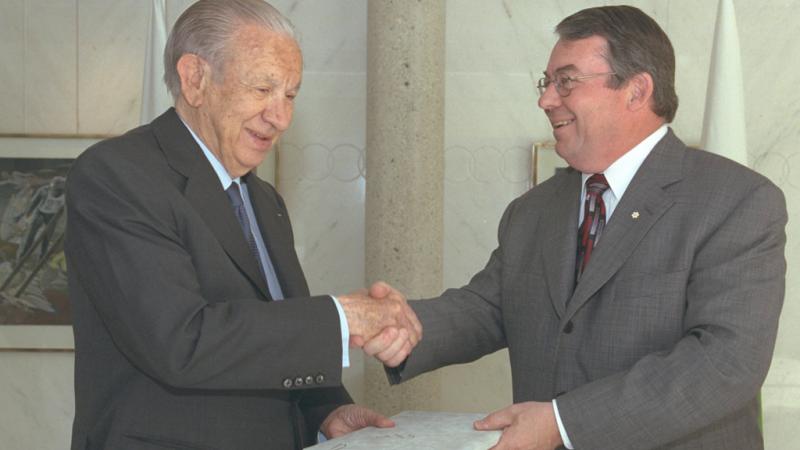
{"x":74,"y":66}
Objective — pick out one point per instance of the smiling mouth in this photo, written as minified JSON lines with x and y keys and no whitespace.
{"x":562,"y":123}
{"x":259,"y":135}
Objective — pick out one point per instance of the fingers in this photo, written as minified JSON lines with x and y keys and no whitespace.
{"x":393,"y":354}
{"x":381,"y":342}
{"x":496,"y":420}
{"x":370,"y":312}
{"x":415,"y":323}
{"x":376,"y":419}
{"x":348,"y":418}
{"x":382,"y":290}
{"x":392,"y":346}
{"x":530,"y":425}
{"x":398,"y":351}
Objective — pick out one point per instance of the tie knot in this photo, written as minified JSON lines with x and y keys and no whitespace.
{"x":596,"y":184}
{"x":234,"y":195}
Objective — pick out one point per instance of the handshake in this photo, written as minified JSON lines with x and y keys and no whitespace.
{"x":381,"y":323}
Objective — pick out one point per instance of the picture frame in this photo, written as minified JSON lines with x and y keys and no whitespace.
{"x":545,"y":162}
{"x":34,"y":308}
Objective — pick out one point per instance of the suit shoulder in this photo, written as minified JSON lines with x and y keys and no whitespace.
{"x":549,"y":187}
{"x":119,"y":153}
{"x":718,"y":172}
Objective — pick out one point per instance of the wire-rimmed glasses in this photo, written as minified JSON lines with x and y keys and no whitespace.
{"x":565,"y":83}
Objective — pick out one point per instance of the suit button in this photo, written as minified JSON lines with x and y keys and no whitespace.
{"x":568,"y":327}
{"x":287,"y":383}
{"x":298,"y":381}
{"x":309,"y":380}
{"x":320,"y":379}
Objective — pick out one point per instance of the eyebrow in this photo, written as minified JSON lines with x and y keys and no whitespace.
{"x":568,"y":67}
{"x":272,"y":82}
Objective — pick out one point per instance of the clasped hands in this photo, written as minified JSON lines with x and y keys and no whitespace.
{"x":381,"y":323}
{"x":384,"y":326}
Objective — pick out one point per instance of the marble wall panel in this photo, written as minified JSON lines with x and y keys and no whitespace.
{"x":111,"y":41}
{"x":770,"y":60}
{"x":690,"y":26}
{"x":38,"y":403}
{"x":332,"y":34}
{"x":320,"y":173}
{"x":50,"y":69}
{"x":12,"y":53}
{"x":781,"y":404}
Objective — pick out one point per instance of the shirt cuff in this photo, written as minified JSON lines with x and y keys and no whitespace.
{"x":561,"y":430}
{"x":345,"y":333}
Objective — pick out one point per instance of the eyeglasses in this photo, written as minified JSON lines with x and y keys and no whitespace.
{"x":564,"y":83}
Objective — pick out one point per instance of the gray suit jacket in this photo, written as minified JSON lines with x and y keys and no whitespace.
{"x":177,"y":344}
{"x":667,"y":337}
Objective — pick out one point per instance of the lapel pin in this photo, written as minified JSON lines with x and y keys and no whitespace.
{"x":635,"y":215}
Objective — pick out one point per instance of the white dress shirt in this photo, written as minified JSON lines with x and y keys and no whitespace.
{"x":619,"y":175}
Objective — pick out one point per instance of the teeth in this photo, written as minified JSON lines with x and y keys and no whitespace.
{"x":561,"y":123}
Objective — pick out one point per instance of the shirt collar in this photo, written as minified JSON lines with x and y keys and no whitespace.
{"x":620,"y":173}
{"x":219,"y":169}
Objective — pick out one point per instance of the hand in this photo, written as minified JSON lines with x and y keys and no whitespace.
{"x":348,"y":418}
{"x":370,"y":312}
{"x":528,"y":426}
{"x":391,"y":346}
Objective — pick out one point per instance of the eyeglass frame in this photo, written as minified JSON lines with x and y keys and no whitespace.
{"x":546,"y":81}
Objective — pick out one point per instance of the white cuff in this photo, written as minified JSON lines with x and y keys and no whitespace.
{"x":345,"y":333}
{"x":561,"y":430}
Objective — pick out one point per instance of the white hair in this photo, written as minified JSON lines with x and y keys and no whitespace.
{"x":206,"y":28}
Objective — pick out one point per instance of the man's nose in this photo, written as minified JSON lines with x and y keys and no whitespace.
{"x":279,"y":113}
{"x":549,"y":99}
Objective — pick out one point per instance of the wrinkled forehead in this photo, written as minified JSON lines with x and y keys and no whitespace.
{"x":254,"y":50}
{"x":578,"y":56}
{"x":254,"y":41}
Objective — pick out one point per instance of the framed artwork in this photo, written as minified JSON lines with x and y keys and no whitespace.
{"x":545,"y":162}
{"x":34,"y":307}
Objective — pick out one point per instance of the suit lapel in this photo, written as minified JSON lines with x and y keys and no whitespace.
{"x":560,"y":230}
{"x":204,"y":192}
{"x":645,"y":201}
{"x":276,"y":232}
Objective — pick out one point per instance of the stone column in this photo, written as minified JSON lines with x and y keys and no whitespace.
{"x":405,"y":170}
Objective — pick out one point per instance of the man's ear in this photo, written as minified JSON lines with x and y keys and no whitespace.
{"x":195,"y":75}
{"x":640,"y":91}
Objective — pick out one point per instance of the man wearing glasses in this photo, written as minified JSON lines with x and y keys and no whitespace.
{"x":639,"y":291}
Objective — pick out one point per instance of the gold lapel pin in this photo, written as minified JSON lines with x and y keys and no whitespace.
{"x":635,"y":215}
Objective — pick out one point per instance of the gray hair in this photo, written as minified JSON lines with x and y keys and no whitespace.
{"x":206,"y":28}
{"x":635,"y":44}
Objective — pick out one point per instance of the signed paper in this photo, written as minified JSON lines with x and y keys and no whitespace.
{"x":416,"y":430}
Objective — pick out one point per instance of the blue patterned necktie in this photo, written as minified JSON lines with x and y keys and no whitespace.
{"x":594,"y":220}
{"x":235,"y":197}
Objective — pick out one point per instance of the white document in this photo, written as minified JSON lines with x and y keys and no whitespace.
{"x":417,"y":430}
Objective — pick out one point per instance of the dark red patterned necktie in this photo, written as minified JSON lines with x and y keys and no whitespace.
{"x":594,"y":219}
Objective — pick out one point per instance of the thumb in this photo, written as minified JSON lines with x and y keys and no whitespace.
{"x":495,"y":421}
{"x":356,"y":341}
{"x":379,"y":289}
{"x":375,"y":419}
